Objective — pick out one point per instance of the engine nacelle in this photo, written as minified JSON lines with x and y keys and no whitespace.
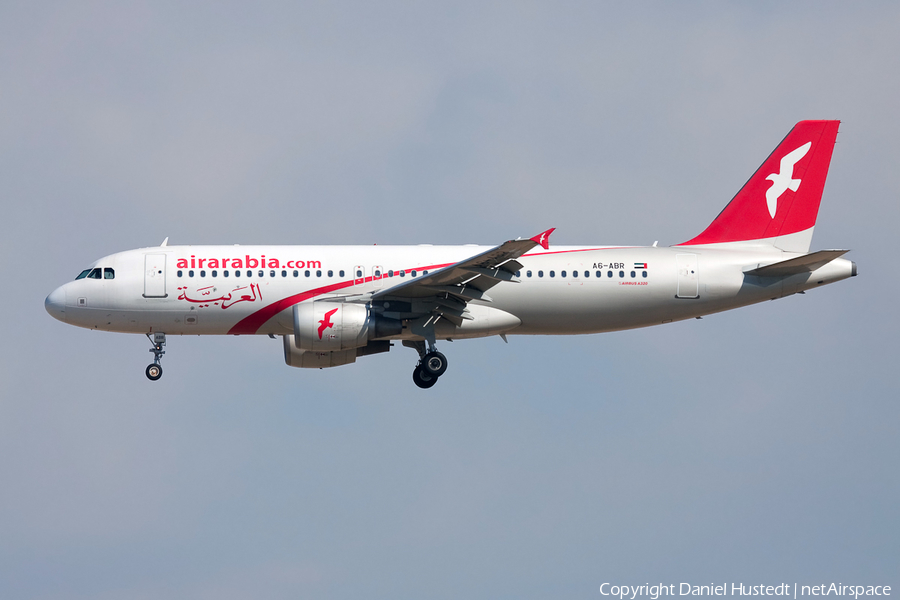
{"x":330,"y":326}
{"x":311,"y":359}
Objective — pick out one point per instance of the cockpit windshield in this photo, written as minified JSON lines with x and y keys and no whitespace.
{"x":97,"y":273}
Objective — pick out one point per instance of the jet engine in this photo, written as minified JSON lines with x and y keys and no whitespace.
{"x":330,"y":334}
{"x":330,"y":326}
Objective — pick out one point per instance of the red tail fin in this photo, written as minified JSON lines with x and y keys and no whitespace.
{"x":782,"y":198}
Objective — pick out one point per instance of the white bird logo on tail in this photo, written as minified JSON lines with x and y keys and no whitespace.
{"x":784,"y":180}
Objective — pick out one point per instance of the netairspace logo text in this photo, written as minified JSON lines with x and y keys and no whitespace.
{"x":654,"y":592}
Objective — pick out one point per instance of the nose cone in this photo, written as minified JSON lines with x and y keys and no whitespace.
{"x":55,"y":304}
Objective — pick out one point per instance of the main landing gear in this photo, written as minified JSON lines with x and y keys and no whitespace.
{"x":432,"y":364}
{"x":154,"y":371}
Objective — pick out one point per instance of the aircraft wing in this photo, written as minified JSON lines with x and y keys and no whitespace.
{"x":445,"y":292}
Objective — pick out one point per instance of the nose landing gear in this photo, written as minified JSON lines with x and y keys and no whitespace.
{"x":154,"y":371}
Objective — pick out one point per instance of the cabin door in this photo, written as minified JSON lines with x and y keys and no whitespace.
{"x":688,"y":276}
{"x":155,"y":276}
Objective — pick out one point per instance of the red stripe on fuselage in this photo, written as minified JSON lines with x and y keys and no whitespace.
{"x":530,"y":254}
{"x":250,"y":325}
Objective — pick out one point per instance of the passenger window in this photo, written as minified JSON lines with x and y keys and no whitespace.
{"x":609,"y":273}
{"x":109,"y":273}
{"x":540,"y":273}
{"x":203,"y":273}
{"x":413,"y":273}
{"x":377,"y":273}
{"x":237,"y":273}
{"x":306,"y":273}
{"x":644,"y":274}
{"x":180,"y":273}
{"x":272,"y":273}
{"x":402,"y":273}
{"x":528,"y":273}
{"x":330,"y":273}
{"x":284,"y":273}
{"x":518,"y":273}
{"x":250,"y":273}
{"x":359,"y":272}
{"x":341,"y":273}
{"x":587,"y":273}
{"x":563,"y":274}
{"x":318,"y":273}
{"x":296,"y":273}
{"x":391,"y":273}
{"x":424,"y":272}
{"x":621,"y":273}
{"x":83,"y":274}
{"x":214,"y":273}
{"x":94,"y":274}
{"x":552,"y":273}
{"x":190,"y":273}
{"x":262,"y":273}
{"x":225,"y":273}
{"x":632,"y":274}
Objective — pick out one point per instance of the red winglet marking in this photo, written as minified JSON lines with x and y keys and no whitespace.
{"x":544,"y":238}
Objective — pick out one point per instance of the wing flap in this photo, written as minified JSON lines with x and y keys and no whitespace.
{"x":497,"y":274}
{"x":466,"y":292}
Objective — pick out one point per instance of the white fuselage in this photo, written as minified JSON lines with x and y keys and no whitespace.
{"x":193,"y":290}
{"x":332,"y":304}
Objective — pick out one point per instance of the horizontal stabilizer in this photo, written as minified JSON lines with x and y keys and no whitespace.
{"x":802,"y":264}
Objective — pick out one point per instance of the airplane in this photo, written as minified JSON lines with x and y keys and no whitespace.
{"x":334,"y":304}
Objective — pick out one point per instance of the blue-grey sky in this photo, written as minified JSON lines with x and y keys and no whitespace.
{"x":756,"y":446}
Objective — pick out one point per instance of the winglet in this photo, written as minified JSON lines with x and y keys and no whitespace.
{"x":544,"y":238}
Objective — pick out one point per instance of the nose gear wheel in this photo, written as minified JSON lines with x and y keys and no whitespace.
{"x":154,"y":371}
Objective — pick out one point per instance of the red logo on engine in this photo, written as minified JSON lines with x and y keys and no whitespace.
{"x":326,"y":322}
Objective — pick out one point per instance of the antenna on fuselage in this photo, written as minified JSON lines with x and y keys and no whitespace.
{"x":165,"y":243}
